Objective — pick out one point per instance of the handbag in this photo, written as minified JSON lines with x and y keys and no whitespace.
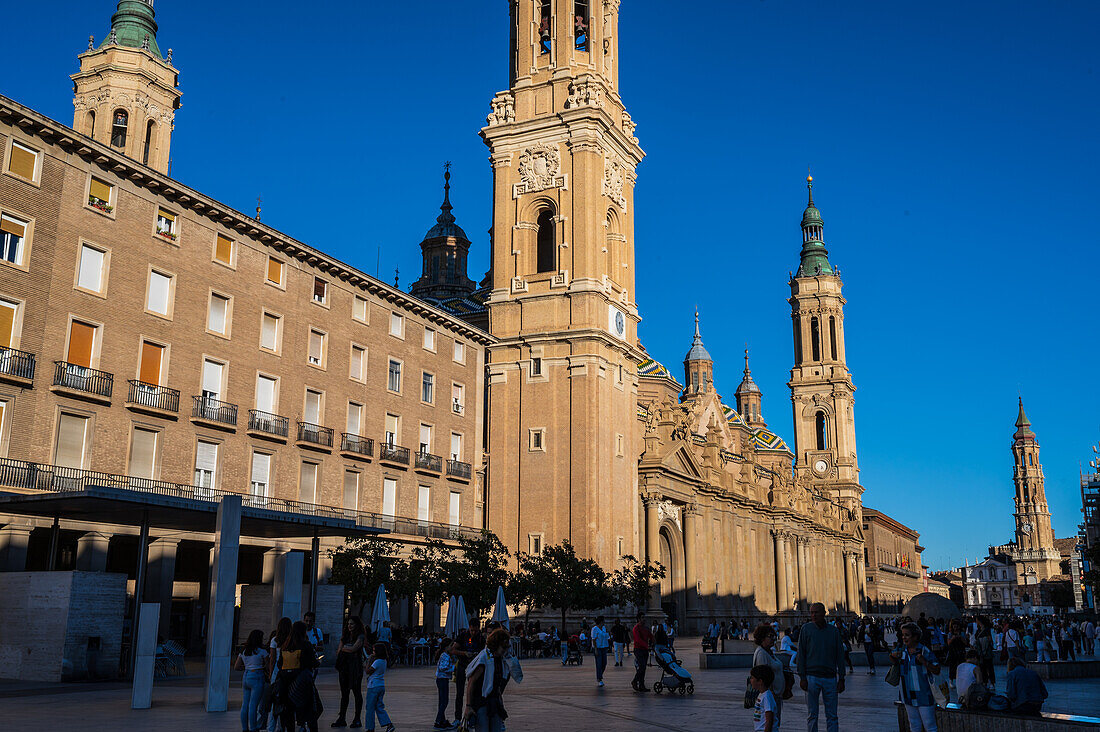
{"x":893,"y":676}
{"x":750,"y":694}
{"x":788,"y":680}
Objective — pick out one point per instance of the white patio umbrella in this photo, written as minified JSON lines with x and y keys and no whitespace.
{"x":449,"y":629}
{"x":462,"y":620}
{"x":500,"y":609}
{"x":381,"y":612}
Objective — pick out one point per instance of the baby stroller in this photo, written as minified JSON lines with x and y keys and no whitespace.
{"x":573,"y":655}
{"x":675,"y":677}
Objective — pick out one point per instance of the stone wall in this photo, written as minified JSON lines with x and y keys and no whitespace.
{"x":256,"y":613}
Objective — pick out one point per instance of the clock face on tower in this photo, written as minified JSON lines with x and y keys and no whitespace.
{"x":820,"y":467}
{"x":1026,"y":528}
{"x":616,"y":322}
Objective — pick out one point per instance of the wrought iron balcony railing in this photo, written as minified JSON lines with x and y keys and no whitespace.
{"x":393,"y":453}
{"x":153,"y":396}
{"x":214,"y":410}
{"x":427,"y":461}
{"x":272,"y":424}
{"x":458,"y":469}
{"x":359,"y":445}
{"x":315,"y":433}
{"x":19,"y":364}
{"x":81,"y":378}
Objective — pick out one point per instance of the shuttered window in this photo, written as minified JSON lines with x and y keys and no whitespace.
{"x":359,"y":309}
{"x":212,"y":379}
{"x":351,"y":490}
{"x":160,"y":288}
{"x":316,"y":347}
{"x":152,"y":356}
{"x":355,"y":418}
{"x":143,"y":453}
{"x":13,"y":232}
{"x":71,"y":436}
{"x":81,"y":339}
{"x":313,"y":407}
{"x":22,"y":161}
{"x":206,"y":464}
{"x":320,"y":290}
{"x":358,"y":357}
{"x":166,"y":223}
{"x":99,"y":192}
{"x":90,"y":276}
{"x":274,"y":271}
{"x":389,"y":497}
{"x":269,"y":334}
{"x":218,"y":320}
{"x":425,"y":438}
{"x":261,"y":474}
{"x":265,"y":394}
{"x":8,"y":311}
{"x":223,"y":250}
{"x":393,"y":426}
{"x":452,"y":513}
{"x":307,"y":488}
{"x":456,"y":446}
{"x":424,"y":504}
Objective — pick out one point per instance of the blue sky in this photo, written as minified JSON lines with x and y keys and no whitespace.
{"x":954,"y":147}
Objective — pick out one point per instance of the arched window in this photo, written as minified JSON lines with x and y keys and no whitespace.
{"x":797,"y":341}
{"x":118,"y":128}
{"x":90,"y":122}
{"x":581,"y":20}
{"x":150,"y":130}
{"x":544,"y":27}
{"x":547,"y":242}
{"x":1029,"y":460}
{"x":832,"y":335}
{"x":821,"y":432}
{"x":815,"y":338}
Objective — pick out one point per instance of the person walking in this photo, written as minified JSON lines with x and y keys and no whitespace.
{"x":486,"y":678}
{"x":1089,"y":631}
{"x":983,"y":642}
{"x":252,"y":660}
{"x":917,"y":663}
{"x":601,"y":644}
{"x":295,"y":693}
{"x":444,"y":670}
{"x":278,"y":638}
{"x":376,"y":689}
{"x":349,"y":667}
{"x":314,"y":636}
{"x":618,"y":640}
{"x":867,"y":636}
{"x":765,"y":716}
{"x":764,"y":655}
{"x":821,"y":668}
{"x":642,"y":638}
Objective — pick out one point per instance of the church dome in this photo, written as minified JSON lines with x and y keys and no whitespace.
{"x":811,"y":216}
{"x":698,"y":351}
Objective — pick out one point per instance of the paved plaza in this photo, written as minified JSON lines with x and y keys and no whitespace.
{"x":550,"y":697}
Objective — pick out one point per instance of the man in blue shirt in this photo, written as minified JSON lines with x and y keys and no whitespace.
{"x":1025,"y":690}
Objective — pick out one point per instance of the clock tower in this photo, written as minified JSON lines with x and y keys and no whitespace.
{"x":562,"y":374}
{"x":1034,"y":553}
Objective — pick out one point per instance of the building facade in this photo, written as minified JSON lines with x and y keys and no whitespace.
{"x":991,"y":585}
{"x":893,"y":563}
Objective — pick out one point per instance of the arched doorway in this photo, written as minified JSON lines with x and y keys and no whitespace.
{"x":673,"y":584}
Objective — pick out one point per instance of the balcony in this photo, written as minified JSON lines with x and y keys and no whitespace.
{"x":152,"y":399}
{"x":458,"y":469}
{"x":354,"y":446}
{"x":268,"y":425}
{"x":16,"y":366}
{"x":314,"y":435}
{"x":393,"y":454}
{"x":83,"y":382}
{"x":428,"y":462}
{"x":214,"y":412}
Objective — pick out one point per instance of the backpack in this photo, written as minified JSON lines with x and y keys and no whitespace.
{"x":998,"y":703}
{"x":977,"y":697}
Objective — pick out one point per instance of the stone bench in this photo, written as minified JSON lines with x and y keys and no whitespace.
{"x":953,"y":718}
{"x":1066,"y":669}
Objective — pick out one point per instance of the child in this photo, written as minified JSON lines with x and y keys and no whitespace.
{"x":376,"y":689}
{"x":968,"y":673}
{"x":444,"y":669}
{"x":763,"y":717}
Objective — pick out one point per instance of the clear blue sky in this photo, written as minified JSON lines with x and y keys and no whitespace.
{"x":954,"y":145}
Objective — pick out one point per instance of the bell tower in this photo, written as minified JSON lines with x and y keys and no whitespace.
{"x":1035,"y":550}
{"x":821,"y":386}
{"x":563,"y":372}
{"x":126,"y":93}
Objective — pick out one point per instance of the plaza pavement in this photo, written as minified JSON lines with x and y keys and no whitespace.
{"x":550,"y":698}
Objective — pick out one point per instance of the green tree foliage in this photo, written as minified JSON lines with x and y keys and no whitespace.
{"x":426,"y":574}
{"x":630,"y":583}
{"x":558,"y":578}
{"x":477,"y":568}
{"x":362,"y":564}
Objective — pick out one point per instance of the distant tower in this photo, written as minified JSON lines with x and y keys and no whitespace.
{"x":821,"y":387}
{"x":1035,"y":555}
{"x":749,"y":398}
{"x":125,"y":93}
{"x":698,"y":365}
{"x":444,"y":250}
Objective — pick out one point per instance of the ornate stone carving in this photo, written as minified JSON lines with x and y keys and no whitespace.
{"x":584,"y":93}
{"x":519,"y":284}
{"x":629,"y":127}
{"x":669,"y":510}
{"x":539,"y":169}
{"x":502,"y":109}
{"x":613,"y":182}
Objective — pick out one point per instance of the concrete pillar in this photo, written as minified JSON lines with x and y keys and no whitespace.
{"x":145,"y":652}
{"x":270,"y":557}
{"x":780,"y":571}
{"x":91,"y":552}
{"x":14,"y":539}
{"x":223,"y":600}
{"x":691,"y":527}
{"x":800,"y":557}
{"x":161,"y":578}
{"x":653,"y":549}
{"x":286,"y":586}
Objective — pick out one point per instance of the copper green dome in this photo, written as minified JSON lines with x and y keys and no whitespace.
{"x":815,"y":257}
{"x":131,"y":24}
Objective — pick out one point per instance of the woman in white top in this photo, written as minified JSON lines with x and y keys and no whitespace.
{"x":376,"y":689}
{"x":252,"y":660}
{"x":764,"y":636}
{"x":278,"y":638}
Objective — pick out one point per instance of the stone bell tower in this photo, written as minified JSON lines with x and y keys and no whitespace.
{"x":126,"y":92}
{"x":1034,"y":550}
{"x":563,"y":373}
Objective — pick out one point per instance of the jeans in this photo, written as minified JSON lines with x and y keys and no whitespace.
{"x":460,"y":690}
{"x":921,"y":719}
{"x":826,"y":686}
{"x":351,"y":682}
{"x":441,"y":712}
{"x":641,"y":658}
{"x":374,"y":706}
{"x":601,"y":662}
{"x":564,"y":652}
{"x":869,"y":649}
{"x":253,"y":695}
{"x":619,"y":653}
{"x":485,"y":723}
{"x":1042,"y":654}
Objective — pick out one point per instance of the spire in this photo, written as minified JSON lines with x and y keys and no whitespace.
{"x":698,"y":351}
{"x":133,"y":25}
{"x":815,"y":257}
{"x":748,"y":386}
{"x":1023,"y":425}
{"x":445,"y":223}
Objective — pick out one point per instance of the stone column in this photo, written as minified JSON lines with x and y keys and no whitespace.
{"x":91,"y":552}
{"x":861,"y":575}
{"x":270,"y":557}
{"x":691,"y":579}
{"x":653,"y":548}
{"x":800,"y":557}
{"x":849,"y":581}
{"x":780,"y":571}
{"x":223,"y":599}
{"x":14,"y":539}
{"x":145,"y":645}
{"x":161,"y":578}
{"x":286,"y":586}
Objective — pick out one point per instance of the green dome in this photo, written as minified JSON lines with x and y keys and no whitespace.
{"x":134,"y":20}
{"x":811,"y":216}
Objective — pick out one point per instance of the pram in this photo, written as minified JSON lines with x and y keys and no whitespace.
{"x":573,"y":655}
{"x":674,"y":677}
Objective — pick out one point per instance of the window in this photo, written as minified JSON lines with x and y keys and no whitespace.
{"x":81,"y":344}
{"x":166,"y":224}
{"x":424,"y":504}
{"x":307,"y":486}
{"x":91,"y":271}
{"x":619,"y":445}
{"x":159,"y":297}
{"x":534,"y":542}
{"x":212,"y":374}
{"x":152,"y":363}
{"x":389,"y":497}
{"x":620,"y":546}
{"x":546,"y":242}
{"x":453,"y":508}
{"x":358,"y":362}
{"x":269,"y":332}
{"x":815,"y":339}
{"x":9,"y":312}
{"x":581,"y":19}
{"x":544,"y":27}
{"x":206,"y":465}
{"x":458,"y":398}
{"x":459,"y":352}
{"x":397,"y":325}
{"x":832,"y":335}
{"x":150,"y":131}
{"x":320,"y":291}
{"x":275,"y":271}
{"x":1030,"y":460}
{"x":143,"y":453}
{"x":797,"y":342}
{"x":536,"y":366}
{"x":456,"y":446}
{"x":393,"y":428}
{"x":72,"y":438}
{"x":101,"y":195}
{"x":13,"y":232}
{"x":427,"y":388}
{"x":316,"y":348}
{"x":429,"y":339}
{"x":312,"y":411}
{"x":23,"y":161}
{"x":359,"y":309}
{"x":351,"y":490}
{"x":261,"y":474}
{"x":425,"y":438}
{"x":223,"y":250}
{"x":119,"y":124}
{"x":355,"y":418}
{"x":267,"y":390}
{"x":537,"y":441}
{"x":821,"y":431}
{"x":217,"y":319}
{"x":393,"y":382}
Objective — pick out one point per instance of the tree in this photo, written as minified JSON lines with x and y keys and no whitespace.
{"x":424,"y":577}
{"x":360,"y":565}
{"x":480,"y":566}
{"x":558,"y":578}
{"x":630,"y":584}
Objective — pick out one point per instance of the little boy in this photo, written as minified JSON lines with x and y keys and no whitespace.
{"x":763,"y":716}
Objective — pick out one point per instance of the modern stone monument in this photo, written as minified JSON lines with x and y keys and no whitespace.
{"x":223,"y":600}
